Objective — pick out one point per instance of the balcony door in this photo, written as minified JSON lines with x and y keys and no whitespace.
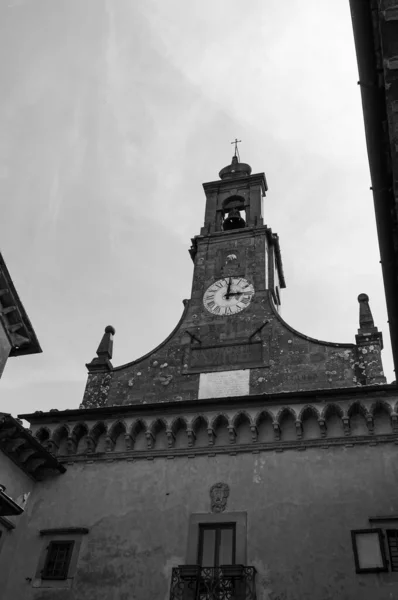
{"x":216,"y":544}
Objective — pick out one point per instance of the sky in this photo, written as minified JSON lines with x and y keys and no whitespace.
{"x":113,"y":114}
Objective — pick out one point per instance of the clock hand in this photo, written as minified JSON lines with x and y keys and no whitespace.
{"x":227,"y":295}
{"x":239,"y":293}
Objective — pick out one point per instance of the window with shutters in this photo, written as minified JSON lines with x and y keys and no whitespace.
{"x":392,"y":540}
{"x":58,"y":558}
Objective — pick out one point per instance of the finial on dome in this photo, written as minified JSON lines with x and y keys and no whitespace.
{"x":236,"y":168}
{"x":104,"y":352}
{"x":236,"y":142}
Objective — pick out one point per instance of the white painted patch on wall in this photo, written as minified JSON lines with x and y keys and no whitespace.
{"x":173,"y":561}
{"x":224,"y":383}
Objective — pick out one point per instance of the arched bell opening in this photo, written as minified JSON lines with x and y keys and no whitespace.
{"x":234,"y":213}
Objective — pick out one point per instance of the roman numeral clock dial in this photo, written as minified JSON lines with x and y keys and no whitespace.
{"x":228,"y":296}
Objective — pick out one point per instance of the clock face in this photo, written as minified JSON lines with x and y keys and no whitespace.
{"x":228,"y":296}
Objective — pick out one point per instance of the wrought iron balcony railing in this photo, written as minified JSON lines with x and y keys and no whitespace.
{"x":227,"y":582}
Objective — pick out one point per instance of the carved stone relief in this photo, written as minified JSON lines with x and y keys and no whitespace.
{"x":219,"y":493}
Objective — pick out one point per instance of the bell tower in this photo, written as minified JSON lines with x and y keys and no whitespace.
{"x":231,"y":340}
{"x":234,"y":242}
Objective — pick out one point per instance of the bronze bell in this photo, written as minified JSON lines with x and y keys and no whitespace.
{"x":234,"y":220}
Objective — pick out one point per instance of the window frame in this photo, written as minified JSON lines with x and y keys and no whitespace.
{"x":391,"y":561}
{"x":70,"y":544}
{"x":380,"y":535}
{"x":239,"y":519}
{"x":61,"y":534}
{"x":217,"y":527}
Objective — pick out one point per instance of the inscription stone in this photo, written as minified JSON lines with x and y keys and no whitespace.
{"x":217,"y":358}
{"x":224,"y":383}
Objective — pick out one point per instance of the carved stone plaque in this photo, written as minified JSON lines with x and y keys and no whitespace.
{"x":219,"y":493}
{"x":224,"y":383}
{"x":226,"y":356}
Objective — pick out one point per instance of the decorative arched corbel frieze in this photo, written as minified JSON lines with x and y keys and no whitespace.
{"x":299,"y":429}
{"x":170,"y":438}
{"x":394,"y":422}
{"x":129,"y":441}
{"x":51,"y":446}
{"x":322,"y":426}
{"x":150,"y":439}
{"x":109,"y":444}
{"x":191,"y":437}
{"x":232,"y":434}
{"x":370,"y":423}
{"x":277,"y":430}
{"x":212,"y":435}
{"x":254,"y":432}
{"x":90,"y":445}
{"x":346,"y":425}
{"x":71,"y":445}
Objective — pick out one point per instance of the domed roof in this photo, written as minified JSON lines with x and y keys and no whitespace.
{"x":235,"y":169}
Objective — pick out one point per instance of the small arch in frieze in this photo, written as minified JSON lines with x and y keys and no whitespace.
{"x":97,"y":430}
{"x":287,"y":418}
{"x":200,"y":426}
{"x":117,"y":433}
{"x":357,"y":408}
{"x":137,"y":426}
{"x":357,"y":413}
{"x":220,"y":426}
{"x":198,"y":421}
{"x":60,"y":437}
{"x":98,"y":436}
{"x":264,"y":423}
{"x":137,"y":432}
{"x":263,"y":415}
{"x":242,"y":424}
{"x":381,"y":413}
{"x":309,"y":418}
{"x":158,"y":429}
{"x":332,"y":409}
{"x":116,"y":429}
{"x":178,"y":424}
{"x":218,"y":419}
{"x":157,"y":425}
{"x":43,"y":434}
{"x":380,"y":406}
{"x":178,"y":428}
{"x":60,"y":432}
{"x":241,"y":417}
{"x":78,"y":435}
{"x":285,"y":413}
{"x":333,"y":416}
{"x":309,"y":411}
{"x":79,"y":430}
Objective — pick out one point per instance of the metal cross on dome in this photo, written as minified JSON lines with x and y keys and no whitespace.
{"x":236,"y":142}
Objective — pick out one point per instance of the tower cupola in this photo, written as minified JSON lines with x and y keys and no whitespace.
{"x":235,"y":169}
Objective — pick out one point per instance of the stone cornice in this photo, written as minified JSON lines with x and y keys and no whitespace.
{"x":255,"y":448}
{"x":193,"y":406}
{"x":255,"y":178}
{"x":25,"y":450}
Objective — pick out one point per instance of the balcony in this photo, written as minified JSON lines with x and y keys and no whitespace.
{"x":227,"y":582}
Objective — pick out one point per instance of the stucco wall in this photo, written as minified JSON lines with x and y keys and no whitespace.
{"x":17,"y":484}
{"x":16,"y":481}
{"x":300,"y":508}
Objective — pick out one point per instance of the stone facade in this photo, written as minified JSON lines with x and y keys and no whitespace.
{"x":235,"y":421}
{"x":257,"y":340}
